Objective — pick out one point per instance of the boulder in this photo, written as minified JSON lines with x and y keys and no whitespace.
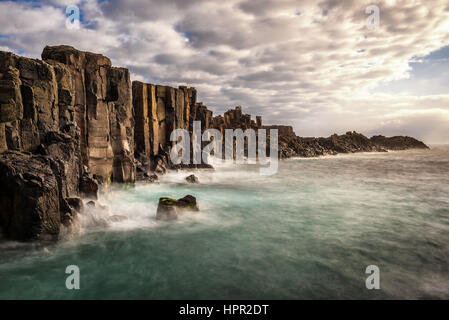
{"x":30,"y":197}
{"x":160,"y":164}
{"x":147,"y":177}
{"x":169,"y":209}
{"x":89,"y":186}
{"x":91,"y":204}
{"x":143,"y":169}
{"x":192,"y":179}
{"x":76,"y":203}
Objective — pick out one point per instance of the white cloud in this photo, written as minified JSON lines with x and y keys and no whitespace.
{"x":5,"y":48}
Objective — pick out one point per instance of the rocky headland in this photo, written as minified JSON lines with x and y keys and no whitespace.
{"x":72,"y":122}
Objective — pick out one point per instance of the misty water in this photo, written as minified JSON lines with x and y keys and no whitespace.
{"x":308,"y":232}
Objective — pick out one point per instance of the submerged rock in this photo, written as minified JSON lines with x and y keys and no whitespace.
{"x":147,"y":177}
{"x":192,"y":179}
{"x":169,"y":209}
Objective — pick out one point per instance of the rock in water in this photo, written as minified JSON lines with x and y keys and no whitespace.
{"x":89,"y":186}
{"x":91,"y":204}
{"x":192,"y":179}
{"x":169,"y":209}
{"x":76,"y":203}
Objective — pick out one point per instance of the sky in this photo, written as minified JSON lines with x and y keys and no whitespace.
{"x":312,"y":64}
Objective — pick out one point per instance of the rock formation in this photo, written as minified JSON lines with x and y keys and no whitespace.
{"x":34,"y":197}
{"x":170,"y":209}
{"x":397,"y":143}
{"x":192,"y":179}
{"x":96,"y":97}
{"x":71,"y":122}
{"x":290,"y":145}
{"x":63,"y":121}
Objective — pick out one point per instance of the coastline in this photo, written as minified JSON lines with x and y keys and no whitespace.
{"x":72,"y":124}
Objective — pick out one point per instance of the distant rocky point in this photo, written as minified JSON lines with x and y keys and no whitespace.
{"x":291,"y":145}
{"x":398,"y":143}
{"x":72,"y":122}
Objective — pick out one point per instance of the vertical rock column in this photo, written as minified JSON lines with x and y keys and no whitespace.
{"x":121,"y":123}
{"x":153,"y":120}
{"x":66,"y":146}
{"x":11,"y":107}
{"x":171,"y":122}
{"x":146,"y":117}
{"x":28,"y":102}
{"x":74,"y":61}
{"x":159,"y":110}
{"x":161,"y":115}
{"x":142,"y":129}
{"x":259,"y":121}
{"x":3,"y":145}
{"x":103,"y":112}
{"x":100,"y":153}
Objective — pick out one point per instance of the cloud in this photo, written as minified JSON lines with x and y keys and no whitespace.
{"x":311,"y":64}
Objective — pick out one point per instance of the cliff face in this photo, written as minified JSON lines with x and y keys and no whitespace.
{"x":158,"y":110}
{"x":63,"y":121}
{"x":28,"y":102}
{"x":72,"y":121}
{"x":97,"y":98}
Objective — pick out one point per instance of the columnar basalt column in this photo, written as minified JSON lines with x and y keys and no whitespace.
{"x":103,"y":112}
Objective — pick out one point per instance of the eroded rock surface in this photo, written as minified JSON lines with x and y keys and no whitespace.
{"x":169,"y":209}
{"x":97,"y":97}
{"x":32,"y":197}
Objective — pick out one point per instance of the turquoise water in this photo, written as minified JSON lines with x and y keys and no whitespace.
{"x":308,"y":232}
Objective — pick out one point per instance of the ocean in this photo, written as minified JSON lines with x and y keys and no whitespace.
{"x":307,"y":232}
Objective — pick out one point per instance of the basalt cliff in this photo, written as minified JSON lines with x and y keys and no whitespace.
{"x":72,"y":122}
